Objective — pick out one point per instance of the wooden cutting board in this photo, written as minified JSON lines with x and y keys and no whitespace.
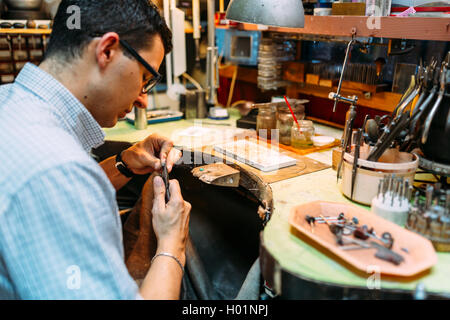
{"x":420,"y":255}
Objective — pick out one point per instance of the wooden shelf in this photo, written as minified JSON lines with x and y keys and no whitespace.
{"x":417,"y":28}
{"x":384,"y":101}
{"x":244,"y":74}
{"x":36,"y":32}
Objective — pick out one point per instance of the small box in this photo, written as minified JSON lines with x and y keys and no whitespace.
{"x":312,"y":79}
{"x":294,"y":71}
{"x":329,"y":83}
{"x":348,"y":9}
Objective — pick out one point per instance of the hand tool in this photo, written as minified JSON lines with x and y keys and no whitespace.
{"x":359,"y":244}
{"x":389,"y":135}
{"x":355,"y":160}
{"x":382,"y":253}
{"x":311,"y":221}
{"x":346,"y":140}
{"x":364,"y":233}
{"x":165,"y":177}
{"x":401,"y":194}
{"x":442,"y":82}
{"x":335,"y":229}
{"x":386,"y":254}
{"x":429,"y":197}
{"x":394,"y":190}
{"x":344,"y":149}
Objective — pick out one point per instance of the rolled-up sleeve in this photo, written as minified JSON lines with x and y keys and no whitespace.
{"x":61,"y":238}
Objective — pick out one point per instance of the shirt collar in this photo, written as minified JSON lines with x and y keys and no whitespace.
{"x":76,"y":117}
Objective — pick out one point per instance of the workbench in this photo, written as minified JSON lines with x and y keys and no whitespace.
{"x":293,"y":268}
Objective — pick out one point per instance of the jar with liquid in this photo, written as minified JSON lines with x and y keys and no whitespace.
{"x":285,"y":121}
{"x":266,"y":120}
{"x":301,"y":137}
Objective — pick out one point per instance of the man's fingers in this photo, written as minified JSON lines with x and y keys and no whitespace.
{"x":159,"y":201}
{"x":174,"y":156}
{"x":165,"y":150}
{"x":151,"y":161}
{"x":175,"y":192}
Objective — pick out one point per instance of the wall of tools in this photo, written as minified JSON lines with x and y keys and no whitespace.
{"x":18,"y":49}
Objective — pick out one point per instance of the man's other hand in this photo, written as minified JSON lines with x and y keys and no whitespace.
{"x":171,"y":220}
{"x":146,"y":156}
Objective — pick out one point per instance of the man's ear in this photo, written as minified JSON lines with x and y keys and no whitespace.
{"x":107,"y":48}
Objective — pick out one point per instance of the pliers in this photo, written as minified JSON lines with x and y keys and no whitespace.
{"x":165,"y":177}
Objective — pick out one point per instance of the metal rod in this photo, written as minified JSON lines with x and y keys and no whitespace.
{"x":212,"y":54}
{"x":336,"y":96}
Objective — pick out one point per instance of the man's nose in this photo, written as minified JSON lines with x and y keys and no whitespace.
{"x":142,"y":101}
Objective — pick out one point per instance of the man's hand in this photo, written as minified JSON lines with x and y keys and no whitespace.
{"x":146,"y":156}
{"x":171,"y":220}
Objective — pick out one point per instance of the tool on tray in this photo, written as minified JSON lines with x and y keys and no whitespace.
{"x":363,"y":237}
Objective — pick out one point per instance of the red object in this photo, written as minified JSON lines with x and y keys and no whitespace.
{"x":220,"y":19}
{"x":422,"y":9}
{"x":292,"y":112}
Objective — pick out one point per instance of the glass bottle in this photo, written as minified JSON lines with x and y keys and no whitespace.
{"x":301,"y":137}
{"x":266,"y":120}
{"x":285,"y":121}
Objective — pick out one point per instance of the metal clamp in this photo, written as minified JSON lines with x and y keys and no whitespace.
{"x":337,"y":96}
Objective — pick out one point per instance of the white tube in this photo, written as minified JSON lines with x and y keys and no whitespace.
{"x":168,"y":56}
{"x":196,"y":18}
{"x":211,"y":23}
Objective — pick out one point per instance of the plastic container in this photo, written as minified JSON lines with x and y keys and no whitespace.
{"x":369,"y":174}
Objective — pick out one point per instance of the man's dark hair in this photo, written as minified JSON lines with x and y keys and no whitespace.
{"x":136,"y":21}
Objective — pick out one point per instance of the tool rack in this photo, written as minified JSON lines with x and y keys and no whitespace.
{"x":19,"y":46}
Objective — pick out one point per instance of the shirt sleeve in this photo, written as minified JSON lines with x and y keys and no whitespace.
{"x":62,"y":237}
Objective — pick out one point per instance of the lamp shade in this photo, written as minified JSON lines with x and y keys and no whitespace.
{"x":277,"y":13}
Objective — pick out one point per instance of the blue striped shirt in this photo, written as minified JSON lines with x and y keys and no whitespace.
{"x":60,"y":231}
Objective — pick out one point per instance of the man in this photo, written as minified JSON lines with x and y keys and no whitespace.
{"x":60,"y":232}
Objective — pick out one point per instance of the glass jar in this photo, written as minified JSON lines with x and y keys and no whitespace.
{"x":302,"y":137}
{"x":266,"y":121}
{"x":285,"y":121}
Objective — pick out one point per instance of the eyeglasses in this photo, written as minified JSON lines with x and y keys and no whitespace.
{"x":151,"y":83}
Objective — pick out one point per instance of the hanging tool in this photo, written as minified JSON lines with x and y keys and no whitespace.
{"x":355,"y":159}
{"x":337,"y":96}
{"x":442,"y":82}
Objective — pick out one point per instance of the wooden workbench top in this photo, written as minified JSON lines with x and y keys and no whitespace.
{"x":290,"y":252}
